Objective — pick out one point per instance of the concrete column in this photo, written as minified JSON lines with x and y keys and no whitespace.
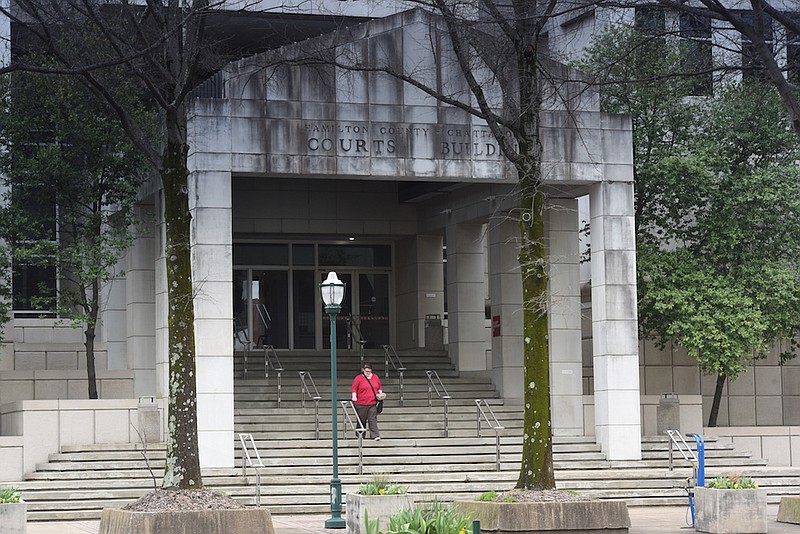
{"x":419,"y":283}
{"x":161,"y":303}
{"x":140,"y":307}
{"x":210,"y":194}
{"x":505,"y":294}
{"x":112,"y":326}
{"x":466,"y":316}
{"x":566,"y":365}
{"x":614,"y":321}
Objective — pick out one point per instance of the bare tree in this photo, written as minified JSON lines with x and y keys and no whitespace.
{"x":159,"y":45}
{"x":757,"y":21}
{"x":501,"y":50}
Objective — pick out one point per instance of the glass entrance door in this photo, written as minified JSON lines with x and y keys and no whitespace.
{"x":373,"y":308}
{"x":342,"y":317}
{"x":366,"y":303}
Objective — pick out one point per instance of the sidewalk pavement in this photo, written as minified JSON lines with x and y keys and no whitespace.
{"x":644,"y":520}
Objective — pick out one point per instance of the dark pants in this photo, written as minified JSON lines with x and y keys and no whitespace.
{"x":368,"y":414}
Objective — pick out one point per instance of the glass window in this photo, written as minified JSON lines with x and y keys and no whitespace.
{"x":303,"y":255}
{"x":355,"y":255}
{"x":696,"y":51}
{"x":33,"y":290}
{"x":305,"y":297}
{"x":752,"y":66}
{"x":270,"y":308}
{"x":793,"y":52}
{"x":260,"y":254}
{"x":650,"y":19}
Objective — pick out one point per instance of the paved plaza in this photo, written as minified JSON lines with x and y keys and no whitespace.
{"x":644,"y":520}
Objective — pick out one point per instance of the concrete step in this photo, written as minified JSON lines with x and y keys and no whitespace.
{"x":82,"y":479}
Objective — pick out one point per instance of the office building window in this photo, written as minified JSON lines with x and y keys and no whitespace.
{"x":695,"y":32}
{"x":752,"y":65}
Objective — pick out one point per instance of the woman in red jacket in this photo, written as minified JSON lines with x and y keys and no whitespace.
{"x":367,"y":392}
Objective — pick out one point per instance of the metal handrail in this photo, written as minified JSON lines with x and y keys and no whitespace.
{"x":304,"y":390}
{"x":359,"y":430}
{"x":390,"y":358}
{"x":441,"y":392}
{"x":686,"y":451}
{"x":353,"y":332}
{"x":493,"y":424}
{"x":248,"y":461}
{"x":274,"y":365}
{"x":266,"y":320}
{"x":241,"y":335}
{"x":697,"y":460}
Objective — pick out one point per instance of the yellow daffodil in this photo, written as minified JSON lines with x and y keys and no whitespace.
{"x":380,"y":491}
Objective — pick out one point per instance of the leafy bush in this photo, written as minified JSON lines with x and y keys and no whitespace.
{"x":437,"y":519}
{"x":491,"y":496}
{"x":9,"y":495}
{"x":732,"y":482}
{"x":380,"y":485}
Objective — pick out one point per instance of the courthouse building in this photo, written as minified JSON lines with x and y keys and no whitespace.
{"x":299,"y":169}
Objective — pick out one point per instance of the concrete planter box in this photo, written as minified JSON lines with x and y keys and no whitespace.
{"x":360,"y":507}
{"x":13,"y":518}
{"x":593,"y":517}
{"x":730,"y":511}
{"x":789,"y":509}
{"x":254,"y":520}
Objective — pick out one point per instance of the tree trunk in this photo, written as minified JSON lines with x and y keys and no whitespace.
{"x":536,"y":470}
{"x":712,"y":417}
{"x":183,"y":461}
{"x":89,"y":336}
{"x":91,"y":373}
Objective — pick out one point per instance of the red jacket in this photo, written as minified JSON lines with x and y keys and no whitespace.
{"x":364,"y":394}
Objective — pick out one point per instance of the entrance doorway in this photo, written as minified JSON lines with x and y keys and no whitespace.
{"x":276,"y":298}
{"x":365,"y":311}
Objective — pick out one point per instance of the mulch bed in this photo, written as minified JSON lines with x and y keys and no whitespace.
{"x":541,"y":496}
{"x":178,"y":500}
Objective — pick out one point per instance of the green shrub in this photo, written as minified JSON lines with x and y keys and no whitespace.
{"x":732,"y":482}
{"x":9,"y":495}
{"x":489,"y":496}
{"x":380,"y":485}
{"x":437,"y":519}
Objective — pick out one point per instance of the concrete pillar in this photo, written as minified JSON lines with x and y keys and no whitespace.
{"x":161,"y":303}
{"x":211,"y":196}
{"x":614,"y":321}
{"x":566,"y":365}
{"x":419,"y":283}
{"x":505,"y":294}
{"x":113,"y":319}
{"x":140,"y":306}
{"x":466,"y":315}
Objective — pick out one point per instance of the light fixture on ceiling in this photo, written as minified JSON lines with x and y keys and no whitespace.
{"x":352,"y":238}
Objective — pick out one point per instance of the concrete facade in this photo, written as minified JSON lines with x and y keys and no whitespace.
{"x":314,"y":155}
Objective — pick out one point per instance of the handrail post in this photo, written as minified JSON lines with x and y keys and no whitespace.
{"x":430,"y":389}
{"x":316,"y":419}
{"x":402,"y":391}
{"x":497,"y":446}
{"x":279,"y":389}
{"x":302,"y":389}
{"x":446,"y":426}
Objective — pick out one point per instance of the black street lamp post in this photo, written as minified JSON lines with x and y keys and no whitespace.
{"x":332,"y":290}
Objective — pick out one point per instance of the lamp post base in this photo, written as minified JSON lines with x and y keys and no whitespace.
{"x":335,"y":522}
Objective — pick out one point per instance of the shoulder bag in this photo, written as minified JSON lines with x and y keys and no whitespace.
{"x":379,"y":406}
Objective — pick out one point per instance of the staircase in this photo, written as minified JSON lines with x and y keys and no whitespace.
{"x":81,"y":480}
